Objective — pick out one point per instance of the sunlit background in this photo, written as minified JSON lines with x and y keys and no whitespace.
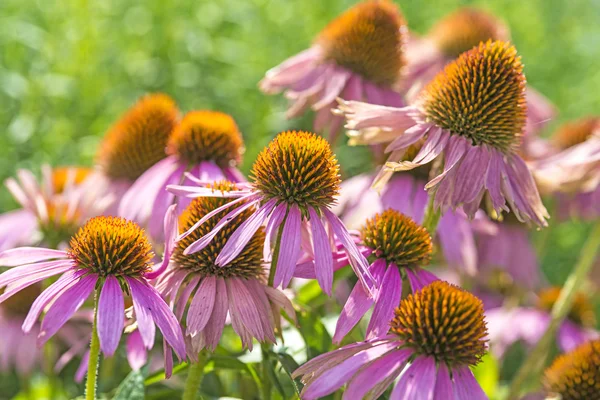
{"x":68,"y":69}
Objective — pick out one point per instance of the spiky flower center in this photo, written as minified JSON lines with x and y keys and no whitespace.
{"x":299,"y":168}
{"x":368,"y":39}
{"x":138,"y":140}
{"x":248,"y":264}
{"x":480,"y":96}
{"x":582,"y":311}
{"x":576,"y":132}
{"x":20,"y":303}
{"x":576,"y":375}
{"x":207,"y":136}
{"x":111,"y":246}
{"x":442,"y":321}
{"x":398,"y":239}
{"x":464,"y":29}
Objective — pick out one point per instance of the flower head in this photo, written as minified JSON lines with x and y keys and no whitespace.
{"x":108,"y":255}
{"x":575,"y":132}
{"x":137,"y":141}
{"x":575,"y":375}
{"x":439,"y":332}
{"x":472,"y":113}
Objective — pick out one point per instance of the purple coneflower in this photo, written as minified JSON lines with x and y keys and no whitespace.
{"x":438,"y":332}
{"x":206,"y":145}
{"x":575,"y":375}
{"x":358,"y":56}
{"x":108,"y":255}
{"x":398,"y":247}
{"x":528,"y":324}
{"x":206,"y":292}
{"x":295,"y":181}
{"x":134,"y":144}
{"x":472,"y":114}
{"x":457,"y":33}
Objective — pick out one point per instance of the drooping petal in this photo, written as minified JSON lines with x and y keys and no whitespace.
{"x":201,"y":306}
{"x":443,"y":384}
{"x":111,"y":315}
{"x":29,"y":255}
{"x":323,"y":253}
{"x":171,"y":230}
{"x":289,"y":250}
{"x":280,"y":300}
{"x":242,"y":304}
{"x":388,"y":298}
{"x":214,"y":328}
{"x":137,"y":356}
{"x":142,"y":313}
{"x":356,"y":306}
{"x":465,"y":385}
{"x":417,"y":382}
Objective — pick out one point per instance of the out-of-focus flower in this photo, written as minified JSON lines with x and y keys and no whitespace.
{"x":438,"y":332}
{"x":206,"y":145}
{"x":528,"y":324}
{"x":295,"y":181}
{"x":397,"y":245}
{"x":455,"y":34}
{"x":575,"y":375}
{"x":572,"y":171}
{"x":206,"y":291}
{"x":52,"y":210}
{"x":134,"y":144}
{"x":107,"y":253}
{"x":472,"y":113}
{"x":358,"y":56}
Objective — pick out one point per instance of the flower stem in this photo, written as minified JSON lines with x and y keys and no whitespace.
{"x":194,"y":378}
{"x":92,"y":372}
{"x":533,"y":365}
{"x":266,"y":365}
{"x":275,"y":258}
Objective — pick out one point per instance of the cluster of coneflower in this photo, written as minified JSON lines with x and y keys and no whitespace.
{"x":166,"y":231}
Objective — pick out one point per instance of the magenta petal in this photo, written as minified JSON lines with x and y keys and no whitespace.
{"x":142,"y":312}
{"x":201,"y":306}
{"x":443,"y":384}
{"x":34,"y":272}
{"x":28,"y":255}
{"x":171,"y":229}
{"x":111,"y":315}
{"x":419,"y":278}
{"x":289,"y":251}
{"x":82,"y":369}
{"x":465,"y":385}
{"x":65,"y":306}
{"x":137,"y":356}
{"x":388,"y":298}
{"x":272,"y":227}
{"x":356,"y":306}
{"x":323,"y":253}
{"x":417,"y":382}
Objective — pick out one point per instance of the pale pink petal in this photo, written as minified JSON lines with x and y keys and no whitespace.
{"x":201,"y":306}
{"x":242,"y":305}
{"x":214,"y":327}
{"x":137,"y":356}
{"x":29,"y":255}
{"x":290,"y":71}
{"x":171,"y":230}
{"x":111,"y":315}
{"x":323,"y":252}
{"x":289,"y":250}
{"x":280,"y":300}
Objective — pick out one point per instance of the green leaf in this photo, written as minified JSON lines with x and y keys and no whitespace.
{"x":159,"y":376}
{"x":313,"y":332}
{"x":289,"y":365}
{"x":132,"y":388}
{"x":487,"y":373}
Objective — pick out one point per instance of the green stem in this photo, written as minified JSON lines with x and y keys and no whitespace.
{"x":432,"y":216}
{"x":275,"y":255}
{"x":194,"y":378}
{"x":92,"y":372}
{"x":266,"y":366}
{"x":533,"y":365}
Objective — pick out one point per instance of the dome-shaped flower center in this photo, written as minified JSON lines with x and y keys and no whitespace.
{"x":442,"y":321}
{"x":138,"y":140}
{"x":368,"y":40}
{"x":63,"y":176}
{"x":480,"y":96}
{"x":249,"y":263}
{"x":582,"y":311}
{"x":576,"y":132}
{"x":207,"y":136}
{"x":111,"y":246}
{"x":576,"y":375}
{"x":464,"y":29}
{"x":298,"y":168}
{"x":20,"y":303}
{"x":398,"y":239}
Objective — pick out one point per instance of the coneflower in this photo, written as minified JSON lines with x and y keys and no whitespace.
{"x":205,"y":145}
{"x":398,"y":247}
{"x":438,"y":332}
{"x":472,"y":113}
{"x":457,"y":33}
{"x":575,"y":375}
{"x":294,"y":182}
{"x":358,"y":56}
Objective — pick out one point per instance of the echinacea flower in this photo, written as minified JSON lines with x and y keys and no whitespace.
{"x":398,"y":246}
{"x":107,"y":255}
{"x":205,"y":145}
{"x":572,"y":170}
{"x":472,"y":114}
{"x":575,"y":375}
{"x":52,"y":209}
{"x":457,"y":33}
{"x":358,"y":56}
{"x":206,"y":292}
{"x":294,"y":183}
{"x":528,"y":324}
{"x":133,"y":144}
{"x":438,"y":332}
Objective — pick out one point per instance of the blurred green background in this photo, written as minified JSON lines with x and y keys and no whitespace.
{"x":68,"y":69}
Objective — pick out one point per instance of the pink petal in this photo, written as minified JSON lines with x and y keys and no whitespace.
{"x":29,"y":255}
{"x":417,"y":382}
{"x":201,"y":306}
{"x":356,"y":306}
{"x":143,"y":315}
{"x":171,"y":230}
{"x":323,"y":252}
{"x":408,"y":138}
{"x":242,"y":305}
{"x":111,"y":315}
{"x":443,"y":384}
{"x":289,"y":251}
{"x":214,"y":328}
{"x":137,"y":356}
{"x":388,"y":298}
{"x":419,"y":278}
{"x":465,"y":385}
